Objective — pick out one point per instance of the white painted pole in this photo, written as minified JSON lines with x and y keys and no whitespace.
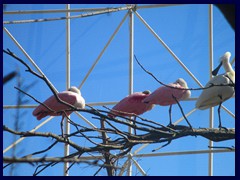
{"x":211,"y":110}
{"x":67,"y":125}
{"x":103,"y":50}
{"x":22,"y":138}
{"x":27,"y":55}
{"x":130,"y":89}
{"x":169,"y":50}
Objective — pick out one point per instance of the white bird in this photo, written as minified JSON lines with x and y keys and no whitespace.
{"x":216,"y":95}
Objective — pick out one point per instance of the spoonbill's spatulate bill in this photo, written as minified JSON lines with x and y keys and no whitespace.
{"x":166,"y":96}
{"x":131,"y":105}
{"x":215,"y":71}
{"x":72,"y":96}
{"x":216,"y":95}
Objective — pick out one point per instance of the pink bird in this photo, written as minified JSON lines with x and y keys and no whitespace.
{"x":72,"y":96}
{"x":131,"y":105}
{"x":166,"y":96}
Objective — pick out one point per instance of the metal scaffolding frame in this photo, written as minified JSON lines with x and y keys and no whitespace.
{"x":131,"y":13}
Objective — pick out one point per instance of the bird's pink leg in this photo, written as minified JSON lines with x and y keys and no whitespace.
{"x":62,"y":125}
{"x":219,"y":117}
{"x":170,"y":116}
{"x":134,"y":122}
{"x":182,"y":111}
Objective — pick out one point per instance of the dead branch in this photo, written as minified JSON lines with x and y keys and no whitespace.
{"x":38,"y":75}
{"x":152,"y":132}
{"x":214,"y":134}
{"x":56,"y":137}
{"x":106,"y":153}
{"x":52,"y":160}
{"x":9,"y":76}
{"x":160,"y":82}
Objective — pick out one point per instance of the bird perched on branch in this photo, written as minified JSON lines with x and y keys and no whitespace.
{"x":71,"y":96}
{"x":131,"y":105}
{"x":169,"y":95}
{"x":224,"y":90}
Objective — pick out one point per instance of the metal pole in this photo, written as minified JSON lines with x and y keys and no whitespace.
{"x":124,"y":166}
{"x":169,"y":50}
{"x":101,"y":53}
{"x":139,"y":167}
{"x":157,"y":6}
{"x":22,"y":138}
{"x":211,"y":110}
{"x":29,"y":58}
{"x":85,"y":9}
{"x":63,"y":18}
{"x":131,"y":51}
{"x":184,"y":153}
{"x":39,"y":70}
{"x":67,"y":125}
{"x":130,"y":90}
{"x":34,"y":106}
{"x":173,"y":153}
{"x":62,"y":10}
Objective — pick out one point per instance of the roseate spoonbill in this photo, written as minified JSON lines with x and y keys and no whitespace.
{"x":166,"y":96}
{"x":131,"y":105}
{"x":72,"y":96}
{"x":216,"y":95}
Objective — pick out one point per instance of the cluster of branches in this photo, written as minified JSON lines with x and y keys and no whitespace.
{"x":111,"y":137}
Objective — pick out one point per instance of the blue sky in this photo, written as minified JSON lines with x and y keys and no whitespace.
{"x":183,"y":28}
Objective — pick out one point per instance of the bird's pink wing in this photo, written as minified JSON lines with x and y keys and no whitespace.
{"x":52,"y":103}
{"x":177,"y":93}
{"x":136,"y":105}
{"x":164,"y":95}
{"x":131,"y":104}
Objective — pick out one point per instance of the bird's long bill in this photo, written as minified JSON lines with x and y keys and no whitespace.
{"x":215,"y":71}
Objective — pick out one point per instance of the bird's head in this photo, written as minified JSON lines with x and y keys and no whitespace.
{"x":146,"y":92}
{"x":181,"y":82}
{"x":225,"y":58}
{"x":74,"y":89}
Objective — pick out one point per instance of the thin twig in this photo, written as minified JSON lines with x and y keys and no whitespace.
{"x":160,"y":82}
{"x":51,"y":110}
{"x":39,"y":76}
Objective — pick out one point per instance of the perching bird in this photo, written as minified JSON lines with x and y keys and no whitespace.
{"x":166,"y":96}
{"x":216,"y":95}
{"x":72,"y":96}
{"x":131,"y":105}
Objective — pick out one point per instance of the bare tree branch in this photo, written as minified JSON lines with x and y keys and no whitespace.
{"x":52,"y":160}
{"x":39,"y":76}
{"x":153,"y":137}
{"x":118,"y":139}
{"x":9,"y":76}
{"x":56,"y":137}
{"x":160,"y":82}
